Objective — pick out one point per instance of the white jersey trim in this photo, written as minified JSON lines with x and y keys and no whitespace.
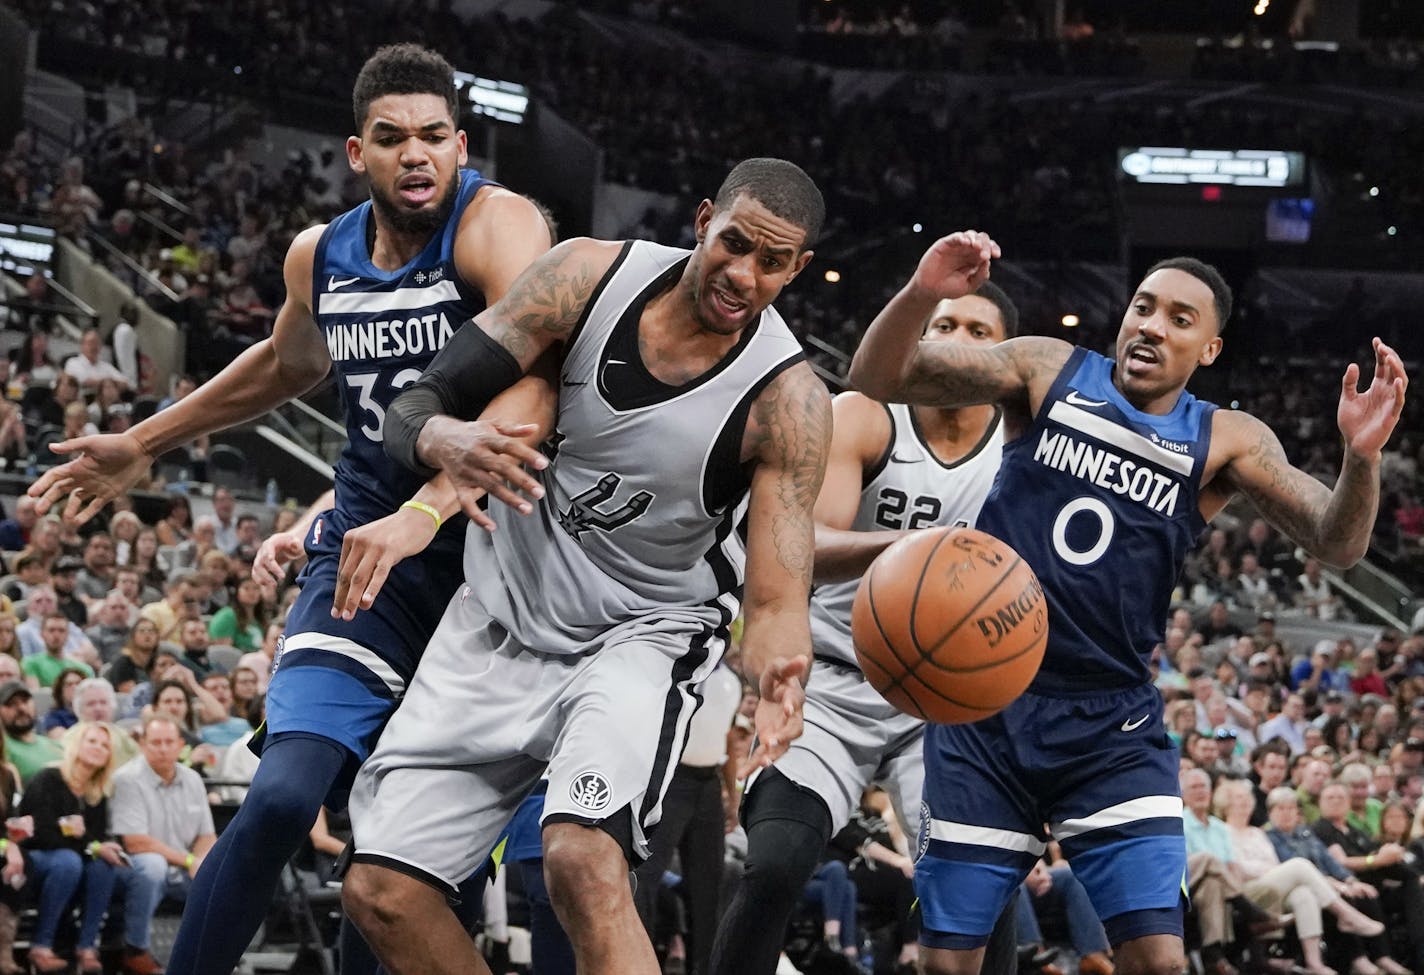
{"x":348,"y":648}
{"x":401,"y":299}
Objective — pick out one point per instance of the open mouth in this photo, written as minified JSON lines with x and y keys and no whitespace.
{"x":1142,"y":356}
{"x":727,"y":304}
{"x":416,"y":189}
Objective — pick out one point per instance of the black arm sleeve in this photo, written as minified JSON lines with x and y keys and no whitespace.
{"x":464,"y":376}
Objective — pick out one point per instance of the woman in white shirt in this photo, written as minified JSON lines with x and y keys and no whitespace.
{"x":1296,"y":886}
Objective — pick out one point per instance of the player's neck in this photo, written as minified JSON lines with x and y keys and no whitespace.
{"x":392,"y":249}
{"x":953,"y":433}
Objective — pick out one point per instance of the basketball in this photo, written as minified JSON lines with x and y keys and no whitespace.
{"x":949,"y":625}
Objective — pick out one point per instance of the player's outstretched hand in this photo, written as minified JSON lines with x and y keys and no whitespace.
{"x":956,"y":265}
{"x":487,"y":456}
{"x":778,"y":713}
{"x":368,"y":554}
{"x":279,"y":550}
{"x":1367,"y":419}
{"x":104,"y":466}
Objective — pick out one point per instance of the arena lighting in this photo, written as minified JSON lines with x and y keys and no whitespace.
{"x":1235,"y":167}
{"x":918,"y":227}
{"x":505,"y":101}
{"x":1070,"y":321}
{"x":1392,"y":231}
{"x":26,"y":248}
{"x":832,"y":275}
{"x":1374,"y":191}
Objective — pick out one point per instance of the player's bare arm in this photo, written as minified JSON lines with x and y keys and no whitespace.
{"x":501,"y":234}
{"x":861,"y":435}
{"x":369,"y":552}
{"x":892,"y":365}
{"x":286,"y":364}
{"x":787,"y":441}
{"x":280,"y":549}
{"x":1333,"y":525}
{"x":429,"y":429}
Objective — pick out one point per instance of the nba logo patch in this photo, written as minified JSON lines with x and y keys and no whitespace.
{"x":922,"y":844}
{"x":591,"y":791}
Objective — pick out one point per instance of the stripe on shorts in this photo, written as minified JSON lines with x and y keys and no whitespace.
{"x":989,"y":836}
{"x":678,"y":709}
{"x":350,"y":649}
{"x":1122,"y":814}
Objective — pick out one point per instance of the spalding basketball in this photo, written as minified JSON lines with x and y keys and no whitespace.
{"x":949,"y":625}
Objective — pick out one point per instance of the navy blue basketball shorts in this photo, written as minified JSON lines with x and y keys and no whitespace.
{"x":1097,"y":771}
{"x":342,"y":679}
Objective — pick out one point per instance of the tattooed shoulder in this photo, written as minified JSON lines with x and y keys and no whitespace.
{"x":545,"y":303}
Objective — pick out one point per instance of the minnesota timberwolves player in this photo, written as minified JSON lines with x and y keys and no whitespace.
{"x":376,"y":293}
{"x":585,"y":629}
{"x":1110,"y":475}
{"x":893,"y":469}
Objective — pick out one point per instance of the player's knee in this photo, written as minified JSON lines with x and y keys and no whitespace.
{"x":1159,"y":960}
{"x":781,"y":856}
{"x":372,"y":897}
{"x":585,"y":870}
{"x":942,"y":961}
{"x":283,"y":807}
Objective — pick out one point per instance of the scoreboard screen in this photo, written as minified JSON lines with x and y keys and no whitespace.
{"x":1275,"y":169}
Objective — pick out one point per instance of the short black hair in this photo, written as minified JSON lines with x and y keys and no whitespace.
{"x":1207,"y":275}
{"x":402,"y":69}
{"x":1008,"y":311}
{"x":780,"y":186}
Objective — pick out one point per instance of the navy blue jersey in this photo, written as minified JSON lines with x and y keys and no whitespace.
{"x":1101,"y":500}
{"x":382,"y":328}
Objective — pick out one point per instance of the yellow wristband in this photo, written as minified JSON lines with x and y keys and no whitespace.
{"x":428,"y":509}
{"x":1370,"y":860}
{"x":188,"y":861}
{"x":4,"y":843}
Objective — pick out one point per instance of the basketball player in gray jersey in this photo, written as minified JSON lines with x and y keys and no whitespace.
{"x":893,"y":469}
{"x":586,"y":627}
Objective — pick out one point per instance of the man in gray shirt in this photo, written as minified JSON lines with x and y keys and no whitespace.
{"x":160,"y":811}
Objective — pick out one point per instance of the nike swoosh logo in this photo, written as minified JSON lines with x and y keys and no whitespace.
{"x":1077,"y":400}
{"x":616,"y":362}
{"x":570,"y":382}
{"x":1134,"y":725}
{"x":335,"y":285}
{"x":897,"y":459}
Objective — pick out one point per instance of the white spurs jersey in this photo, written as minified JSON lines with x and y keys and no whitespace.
{"x":646,"y":485}
{"x":909,"y":488}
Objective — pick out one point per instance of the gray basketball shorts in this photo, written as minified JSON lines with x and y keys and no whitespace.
{"x":485,"y":716}
{"x":854,"y":738}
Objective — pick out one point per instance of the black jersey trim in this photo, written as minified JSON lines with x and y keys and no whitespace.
{"x":725,"y":477}
{"x":973,"y":452}
{"x":596,"y":294}
{"x":868,"y":476}
{"x":635,"y":386}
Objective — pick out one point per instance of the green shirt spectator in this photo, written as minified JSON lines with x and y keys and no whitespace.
{"x":28,"y":751}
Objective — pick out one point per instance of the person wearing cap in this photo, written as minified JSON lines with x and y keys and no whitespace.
{"x":28,"y":751}
{"x":1316,"y":672}
{"x":43,"y":668}
{"x":65,"y":579}
{"x":1332,"y":706}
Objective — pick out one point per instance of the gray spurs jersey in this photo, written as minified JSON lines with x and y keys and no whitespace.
{"x":908,"y":488}
{"x":646,"y":486}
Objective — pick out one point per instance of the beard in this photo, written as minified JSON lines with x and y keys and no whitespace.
{"x":20,"y":726}
{"x":426,"y":220}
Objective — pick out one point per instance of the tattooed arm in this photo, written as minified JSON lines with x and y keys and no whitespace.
{"x":892,"y":365}
{"x":1333,"y":525}
{"x":432,"y":425}
{"x":787,"y":439}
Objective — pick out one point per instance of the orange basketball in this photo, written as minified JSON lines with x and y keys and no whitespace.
{"x":949,"y":625}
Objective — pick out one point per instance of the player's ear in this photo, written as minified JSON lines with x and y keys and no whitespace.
{"x":1210,"y":351}
{"x":463,"y":143}
{"x":800,"y":263}
{"x":353,"y":154}
{"x":703,"y":219}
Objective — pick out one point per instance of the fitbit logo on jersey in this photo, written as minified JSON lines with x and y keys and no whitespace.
{"x":591,"y":791}
{"x":1172,"y":445}
{"x":392,"y":339}
{"x":1028,"y":605}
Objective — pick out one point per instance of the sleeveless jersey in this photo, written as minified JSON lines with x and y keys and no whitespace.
{"x":1102,"y":501}
{"x":382,"y":328}
{"x":637,"y":524}
{"x":908,"y":488}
